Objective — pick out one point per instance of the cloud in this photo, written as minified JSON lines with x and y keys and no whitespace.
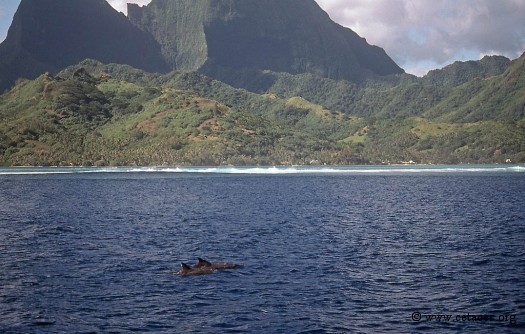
{"x":121,"y":5}
{"x":423,"y":34}
{"x":7,"y":10}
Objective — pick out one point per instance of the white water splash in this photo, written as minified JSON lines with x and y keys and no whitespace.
{"x":275,"y":170}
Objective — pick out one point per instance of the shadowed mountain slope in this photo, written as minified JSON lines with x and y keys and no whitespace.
{"x":233,"y":39}
{"x":48,"y":35}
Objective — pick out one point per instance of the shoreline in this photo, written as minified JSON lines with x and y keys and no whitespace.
{"x":407,"y":164}
{"x":273,"y":170}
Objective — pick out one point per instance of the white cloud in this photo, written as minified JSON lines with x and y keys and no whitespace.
{"x":6,"y":16}
{"x":421,"y":33}
{"x":121,"y":5}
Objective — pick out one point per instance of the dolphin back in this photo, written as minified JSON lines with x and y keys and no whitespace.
{"x":216,"y":265}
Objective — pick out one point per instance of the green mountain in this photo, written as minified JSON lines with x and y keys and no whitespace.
{"x":255,"y":82}
{"x":101,"y":120}
{"x":96,"y":114}
{"x":459,"y":72}
{"x":498,"y":98}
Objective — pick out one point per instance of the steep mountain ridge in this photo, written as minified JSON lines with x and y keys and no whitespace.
{"x":230,"y":40}
{"x":226,"y":38}
{"x":499,"y":97}
{"x":48,"y":35}
{"x":461,"y":72}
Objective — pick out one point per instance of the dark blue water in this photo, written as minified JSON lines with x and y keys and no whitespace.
{"x":92,"y":253}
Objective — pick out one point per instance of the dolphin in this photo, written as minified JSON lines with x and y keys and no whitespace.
{"x":201,"y":264}
{"x":186,"y":270}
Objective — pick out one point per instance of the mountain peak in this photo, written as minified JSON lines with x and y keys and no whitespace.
{"x":236,"y":41}
{"x":48,"y":35}
{"x":219,"y":37}
{"x":461,"y":72}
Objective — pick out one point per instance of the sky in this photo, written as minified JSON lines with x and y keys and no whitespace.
{"x":419,"y":35}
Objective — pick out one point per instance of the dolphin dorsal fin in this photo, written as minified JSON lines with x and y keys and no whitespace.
{"x":185,"y":267}
{"x":203,"y":262}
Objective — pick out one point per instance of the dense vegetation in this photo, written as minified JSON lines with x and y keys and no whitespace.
{"x":96,"y":114}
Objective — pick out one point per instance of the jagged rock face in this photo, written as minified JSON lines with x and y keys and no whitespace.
{"x":48,"y":35}
{"x":293,"y":36}
{"x":230,"y":40}
{"x":178,"y":27}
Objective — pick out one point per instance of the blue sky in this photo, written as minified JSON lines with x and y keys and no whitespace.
{"x":419,"y":35}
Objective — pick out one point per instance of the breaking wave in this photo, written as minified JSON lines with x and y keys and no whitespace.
{"x":276,"y":170}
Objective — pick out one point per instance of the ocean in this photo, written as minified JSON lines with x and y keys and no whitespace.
{"x":371,"y":249}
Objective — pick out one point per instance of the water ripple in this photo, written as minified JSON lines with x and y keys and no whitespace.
{"x":321,"y":253}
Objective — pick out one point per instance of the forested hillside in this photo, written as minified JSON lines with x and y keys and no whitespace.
{"x":96,"y":114}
